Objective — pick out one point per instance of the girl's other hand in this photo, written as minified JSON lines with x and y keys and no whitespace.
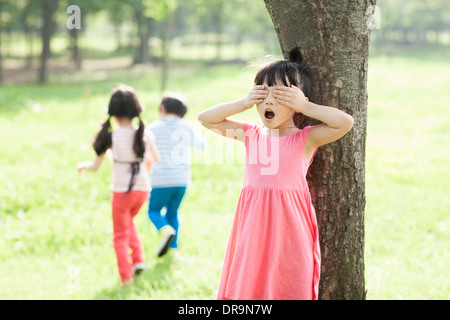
{"x":90,"y":165}
{"x":291,"y":97}
{"x":256,"y":96}
{"x":81,"y":166}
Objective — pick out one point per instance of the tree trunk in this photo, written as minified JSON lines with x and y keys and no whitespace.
{"x":118,"y":35}
{"x":76,"y":52}
{"x":165,"y":45}
{"x":334,"y":39}
{"x":48,"y":10}
{"x":217,"y":13}
{"x":28,"y":32}
{"x":144,"y":28}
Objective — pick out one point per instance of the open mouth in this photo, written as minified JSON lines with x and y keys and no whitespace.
{"x":269,"y":114}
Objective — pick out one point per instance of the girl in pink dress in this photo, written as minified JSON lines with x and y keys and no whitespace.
{"x":273,"y":251}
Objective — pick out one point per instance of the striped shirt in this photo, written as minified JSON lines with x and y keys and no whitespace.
{"x":123,"y":154}
{"x":174,"y":139}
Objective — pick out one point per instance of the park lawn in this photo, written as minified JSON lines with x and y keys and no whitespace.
{"x":56,"y":228}
{"x":407,"y":177}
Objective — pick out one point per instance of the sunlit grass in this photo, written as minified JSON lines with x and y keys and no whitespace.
{"x":56,"y":228}
{"x":407,"y":219}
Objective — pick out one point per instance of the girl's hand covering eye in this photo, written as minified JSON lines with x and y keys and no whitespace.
{"x":256,"y":96}
{"x":291,"y":97}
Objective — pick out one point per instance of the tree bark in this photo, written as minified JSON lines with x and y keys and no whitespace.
{"x":48,"y":10}
{"x":334,"y":39}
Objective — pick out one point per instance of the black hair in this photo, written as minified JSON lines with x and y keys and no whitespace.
{"x":175,"y":103}
{"x":289,"y":72}
{"x":124,"y":103}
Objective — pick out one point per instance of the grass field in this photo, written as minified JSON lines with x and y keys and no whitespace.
{"x":56,"y":230}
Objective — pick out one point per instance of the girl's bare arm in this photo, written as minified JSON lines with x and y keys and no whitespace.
{"x":91,"y":165}
{"x":336,"y":123}
{"x":152,"y":156}
{"x":217,"y":119}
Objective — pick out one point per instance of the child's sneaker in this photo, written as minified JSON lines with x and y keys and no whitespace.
{"x":167,"y":234}
{"x":138,"y":268}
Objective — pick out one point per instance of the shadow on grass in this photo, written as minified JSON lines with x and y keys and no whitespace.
{"x":156,"y":278}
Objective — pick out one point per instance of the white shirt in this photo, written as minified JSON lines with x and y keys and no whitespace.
{"x":123,"y":154}
{"x":174,"y":138}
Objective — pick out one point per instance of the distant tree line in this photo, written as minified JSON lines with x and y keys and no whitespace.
{"x":40,"y":20}
{"x":412,"y":22}
{"x":231,"y":21}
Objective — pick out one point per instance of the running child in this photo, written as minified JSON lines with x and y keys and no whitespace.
{"x":171,"y":176}
{"x":132,"y":150}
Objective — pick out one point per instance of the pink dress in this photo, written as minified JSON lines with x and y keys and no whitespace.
{"x":273,"y":251}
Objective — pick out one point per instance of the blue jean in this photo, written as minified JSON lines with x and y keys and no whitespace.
{"x":169,"y":198}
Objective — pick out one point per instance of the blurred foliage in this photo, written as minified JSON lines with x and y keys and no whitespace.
{"x":146,"y":29}
{"x":237,"y":17}
{"x":413,"y":21}
{"x":192,"y":16}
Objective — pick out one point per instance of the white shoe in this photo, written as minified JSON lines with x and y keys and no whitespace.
{"x":138,"y":268}
{"x":167,"y":234}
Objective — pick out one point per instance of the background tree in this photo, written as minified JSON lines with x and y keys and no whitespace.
{"x":9,"y":12}
{"x":249,"y":23}
{"x":164,"y":13}
{"x":118,"y":12}
{"x":334,"y":39}
{"x":30,"y":22}
{"x":48,"y":8}
{"x":412,"y":22}
{"x":211,"y":17}
{"x":144,"y":22}
{"x":87,"y":8}
{"x":206,"y":28}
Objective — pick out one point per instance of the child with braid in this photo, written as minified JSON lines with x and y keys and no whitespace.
{"x":133,"y":150}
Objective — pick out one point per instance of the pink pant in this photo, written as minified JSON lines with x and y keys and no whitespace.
{"x":124,"y":208}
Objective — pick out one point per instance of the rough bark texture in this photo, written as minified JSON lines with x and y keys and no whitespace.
{"x":334,"y":39}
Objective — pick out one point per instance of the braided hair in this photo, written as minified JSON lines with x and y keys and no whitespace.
{"x":123,"y":103}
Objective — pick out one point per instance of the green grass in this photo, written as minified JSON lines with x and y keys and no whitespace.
{"x":407,"y":221}
{"x":56,"y":228}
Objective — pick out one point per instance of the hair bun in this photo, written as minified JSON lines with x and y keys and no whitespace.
{"x":295,"y":55}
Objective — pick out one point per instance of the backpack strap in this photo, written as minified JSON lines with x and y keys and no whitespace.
{"x":135,"y":169}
